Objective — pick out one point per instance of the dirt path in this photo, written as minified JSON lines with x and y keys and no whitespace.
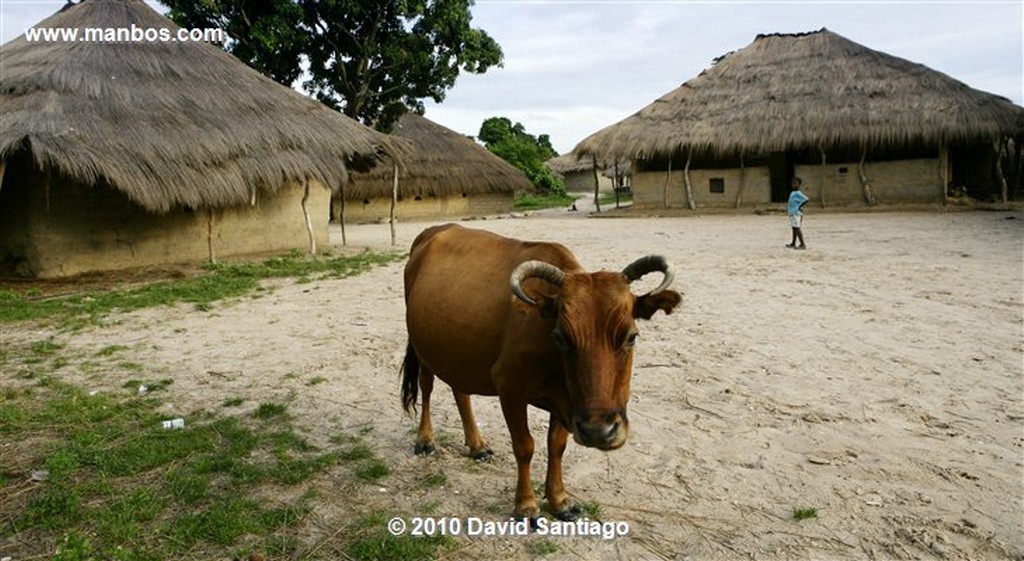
{"x":876,"y":377}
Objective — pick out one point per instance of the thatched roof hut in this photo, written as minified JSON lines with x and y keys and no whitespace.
{"x":167,"y":123}
{"x":440,"y":163}
{"x":788,"y":91}
{"x":577,"y":172}
{"x":131,"y":152}
{"x":445,"y":175}
{"x":864,"y":125}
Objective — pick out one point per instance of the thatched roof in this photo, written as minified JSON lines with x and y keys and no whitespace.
{"x":169,"y":124}
{"x":441,"y":162}
{"x":571,"y":162}
{"x":796,"y":91}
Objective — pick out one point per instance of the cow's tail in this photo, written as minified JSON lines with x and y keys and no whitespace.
{"x":410,"y":378}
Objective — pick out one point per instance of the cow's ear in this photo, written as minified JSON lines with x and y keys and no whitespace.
{"x":544,"y":304}
{"x":646,"y":305}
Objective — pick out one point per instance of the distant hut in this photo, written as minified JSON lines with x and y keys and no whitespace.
{"x":578,"y":173}
{"x":857,"y":125}
{"x":146,"y":153}
{"x":445,"y":175}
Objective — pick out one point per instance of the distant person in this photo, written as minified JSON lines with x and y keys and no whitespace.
{"x":573,"y":208}
{"x":795,"y":209}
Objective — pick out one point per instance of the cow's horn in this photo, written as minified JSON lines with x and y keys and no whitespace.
{"x":531,"y":269}
{"x":649,"y":264}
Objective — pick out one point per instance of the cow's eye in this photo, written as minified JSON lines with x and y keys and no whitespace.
{"x":560,"y":341}
{"x":630,"y":340}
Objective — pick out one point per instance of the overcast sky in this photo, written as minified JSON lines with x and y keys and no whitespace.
{"x":573,"y":67}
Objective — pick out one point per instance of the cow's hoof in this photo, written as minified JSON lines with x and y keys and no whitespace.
{"x":534,"y":525}
{"x":570,"y":512}
{"x":424,"y":448}
{"x":481,"y":455}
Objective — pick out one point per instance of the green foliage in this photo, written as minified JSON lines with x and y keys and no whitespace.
{"x":372,"y":59}
{"x":524,"y":151}
{"x":527,"y":201}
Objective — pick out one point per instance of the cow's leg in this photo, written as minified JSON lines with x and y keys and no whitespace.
{"x":425,"y":433}
{"x":478,"y":449}
{"x":514,"y":409}
{"x":558,"y":499}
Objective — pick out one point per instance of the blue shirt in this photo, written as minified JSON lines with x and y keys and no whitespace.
{"x":796,"y":198}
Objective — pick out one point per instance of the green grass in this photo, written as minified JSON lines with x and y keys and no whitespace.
{"x":607,"y":200}
{"x":535,"y":202}
{"x":803,"y":513}
{"x":374,"y":543}
{"x":119,"y":486}
{"x":218,"y":282}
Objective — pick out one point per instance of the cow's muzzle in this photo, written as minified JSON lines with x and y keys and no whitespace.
{"x":605,"y":432}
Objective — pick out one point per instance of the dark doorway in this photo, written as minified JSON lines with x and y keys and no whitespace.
{"x":780,"y":169}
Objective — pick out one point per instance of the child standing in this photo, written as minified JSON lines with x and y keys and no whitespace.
{"x":795,"y":209}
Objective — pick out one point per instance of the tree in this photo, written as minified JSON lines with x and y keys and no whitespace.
{"x":528,"y":153}
{"x":373,"y":60}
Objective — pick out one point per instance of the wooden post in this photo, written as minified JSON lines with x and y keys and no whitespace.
{"x":743,"y":177}
{"x":686,"y":179}
{"x":209,"y":236}
{"x":998,"y":146}
{"x":597,"y":183}
{"x":822,"y":150}
{"x":3,"y":168}
{"x":616,"y":183}
{"x":341,"y":213}
{"x":394,"y":200}
{"x":668,"y":178}
{"x":865,"y":184}
{"x":47,"y":176}
{"x":944,"y":172}
{"x":305,"y":214}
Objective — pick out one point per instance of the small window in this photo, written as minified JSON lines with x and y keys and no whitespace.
{"x":717,"y":184}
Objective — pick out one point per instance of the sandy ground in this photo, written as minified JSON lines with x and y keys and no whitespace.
{"x":876,"y":377}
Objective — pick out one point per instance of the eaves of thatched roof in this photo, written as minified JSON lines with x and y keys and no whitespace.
{"x":571,"y":162}
{"x":439,"y":162}
{"x":795,"y":91}
{"x":169,"y":124}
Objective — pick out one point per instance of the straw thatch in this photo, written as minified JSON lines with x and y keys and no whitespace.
{"x":169,"y":124}
{"x":792,"y":91}
{"x":569,"y":163}
{"x":440,"y":163}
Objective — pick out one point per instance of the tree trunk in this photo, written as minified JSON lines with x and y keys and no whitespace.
{"x":597,"y":184}
{"x":3,"y":168}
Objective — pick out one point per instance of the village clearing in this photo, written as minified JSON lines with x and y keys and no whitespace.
{"x":861,"y":399}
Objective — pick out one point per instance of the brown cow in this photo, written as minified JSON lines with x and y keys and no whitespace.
{"x":491,"y":315}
